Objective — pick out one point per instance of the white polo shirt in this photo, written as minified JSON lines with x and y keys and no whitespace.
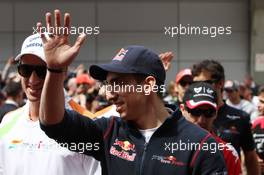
{"x":26,"y":150}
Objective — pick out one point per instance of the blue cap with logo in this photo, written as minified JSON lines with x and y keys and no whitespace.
{"x":132,"y":60}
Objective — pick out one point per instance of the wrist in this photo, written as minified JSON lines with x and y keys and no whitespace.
{"x":56,"y":70}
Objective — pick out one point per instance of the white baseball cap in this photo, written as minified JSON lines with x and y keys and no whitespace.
{"x":32,"y":45}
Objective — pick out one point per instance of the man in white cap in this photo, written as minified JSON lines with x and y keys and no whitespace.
{"x":24,"y":148}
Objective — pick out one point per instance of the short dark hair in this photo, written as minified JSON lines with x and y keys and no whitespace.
{"x":214,"y":67}
{"x":12,"y":89}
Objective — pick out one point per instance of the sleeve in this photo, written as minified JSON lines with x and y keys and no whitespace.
{"x":232,"y":160}
{"x":247,"y":141}
{"x":76,"y":129}
{"x":209,"y":160}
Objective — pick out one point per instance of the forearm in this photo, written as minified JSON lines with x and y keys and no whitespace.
{"x":77,"y":133}
{"x":252,"y":164}
{"x":52,"y":99}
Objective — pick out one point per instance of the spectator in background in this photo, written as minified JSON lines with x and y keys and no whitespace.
{"x":250,"y":83}
{"x":183,"y":79}
{"x":80,"y":69}
{"x":233,"y":99}
{"x":261,"y":101}
{"x":71,"y":87}
{"x":6,"y":70}
{"x":14,"y":98}
{"x":258,"y":128}
{"x":171,"y":95}
{"x":247,"y":94}
{"x":84,"y":88}
{"x":231,"y":125}
{"x":200,"y":107}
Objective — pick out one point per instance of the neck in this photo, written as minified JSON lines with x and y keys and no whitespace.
{"x":153,"y":115}
{"x":236,"y":101}
{"x":34,"y":110}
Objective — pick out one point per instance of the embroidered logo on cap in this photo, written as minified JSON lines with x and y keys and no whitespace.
{"x":120,"y":55}
{"x":209,"y":91}
{"x":198,"y":90}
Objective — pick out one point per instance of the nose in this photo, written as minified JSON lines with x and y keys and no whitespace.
{"x":201,"y":120}
{"x":186,"y":86}
{"x":33,"y":79}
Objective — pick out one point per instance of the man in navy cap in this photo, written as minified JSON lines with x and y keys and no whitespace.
{"x":144,"y":139}
{"x":199,"y":106}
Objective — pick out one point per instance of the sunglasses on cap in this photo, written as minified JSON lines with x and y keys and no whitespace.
{"x":25,"y":70}
{"x":229,"y":90}
{"x":184,"y":83}
{"x":197,"y":112}
{"x":206,"y":81}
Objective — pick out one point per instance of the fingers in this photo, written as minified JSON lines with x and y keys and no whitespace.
{"x":57,"y":16}
{"x":42,"y":35}
{"x":166,"y":56}
{"x":169,"y":55}
{"x":50,"y":29}
{"x":79,"y":42}
{"x":66,"y":24}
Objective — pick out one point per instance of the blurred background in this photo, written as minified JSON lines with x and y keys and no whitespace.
{"x":129,"y":22}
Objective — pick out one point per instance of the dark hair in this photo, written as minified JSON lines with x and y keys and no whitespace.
{"x":2,"y":96}
{"x":214,"y":67}
{"x":261,"y":89}
{"x":12,"y":89}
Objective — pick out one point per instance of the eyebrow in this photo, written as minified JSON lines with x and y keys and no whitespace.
{"x":260,"y":100}
{"x":113,"y":79}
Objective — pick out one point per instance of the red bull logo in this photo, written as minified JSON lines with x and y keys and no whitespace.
{"x":124,"y":153}
{"x":125,"y":145}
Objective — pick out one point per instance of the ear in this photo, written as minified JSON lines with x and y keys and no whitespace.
{"x":220,"y":84}
{"x":150,"y":83}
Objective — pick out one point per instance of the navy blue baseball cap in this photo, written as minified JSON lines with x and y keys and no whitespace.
{"x":132,"y":60}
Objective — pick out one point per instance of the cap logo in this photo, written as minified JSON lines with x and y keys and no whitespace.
{"x":197,"y":90}
{"x":31,"y":39}
{"x":120,"y":55}
{"x":209,"y":91}
{"x":203,"y":91}
{"x":33,"y":45}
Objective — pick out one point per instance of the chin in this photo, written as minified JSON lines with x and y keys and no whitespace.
{"x":123,"y":115}
{"x":33,"y":98}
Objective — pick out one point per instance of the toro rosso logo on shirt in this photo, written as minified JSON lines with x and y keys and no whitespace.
{"x":124,"y":150}
{"x":168,"y":160}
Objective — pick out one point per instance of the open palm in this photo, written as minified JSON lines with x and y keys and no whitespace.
{"x":58,"y":51}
